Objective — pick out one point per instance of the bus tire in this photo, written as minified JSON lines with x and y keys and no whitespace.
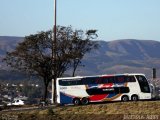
{"x":134,"y":98}
{"x":76,"y":101}
{"x":125,"y":98}
{"x":85,"y":101}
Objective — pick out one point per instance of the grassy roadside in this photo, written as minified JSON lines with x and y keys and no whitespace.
{"x":109,"y":111}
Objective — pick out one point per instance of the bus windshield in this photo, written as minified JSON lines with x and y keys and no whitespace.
{"x":144,"y":86}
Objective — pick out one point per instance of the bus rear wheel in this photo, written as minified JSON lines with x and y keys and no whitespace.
{"x":125,"y":98}
{"x":76,"y":101}
{"x":85,"y":101}
{"x":134,"y":98}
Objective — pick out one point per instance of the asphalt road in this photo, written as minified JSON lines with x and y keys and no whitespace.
{"x":27,"y":108}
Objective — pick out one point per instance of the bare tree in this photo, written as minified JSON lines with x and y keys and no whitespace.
{"x":34,"y":54}
{"x":81,"y":46}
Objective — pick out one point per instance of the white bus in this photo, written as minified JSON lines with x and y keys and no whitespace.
{"x":117,"y":87}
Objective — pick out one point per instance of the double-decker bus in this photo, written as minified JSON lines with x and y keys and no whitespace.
{"x":116,"y":87}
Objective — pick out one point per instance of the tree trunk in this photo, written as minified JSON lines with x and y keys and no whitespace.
{"x":75,"y":65}
{"x":45,"y":93}
{"x":74,"y":70}
{"x":46,"y":90}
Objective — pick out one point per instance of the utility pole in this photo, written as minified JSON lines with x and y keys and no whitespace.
{"x":54,"y":51}
{"x":154,"y":76}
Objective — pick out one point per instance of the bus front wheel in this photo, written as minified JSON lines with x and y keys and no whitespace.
{"x":76,"y":101}
{"x":125,"y":98}
{"x":85,"y":101}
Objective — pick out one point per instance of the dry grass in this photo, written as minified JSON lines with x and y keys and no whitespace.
{"x":92,"y":111}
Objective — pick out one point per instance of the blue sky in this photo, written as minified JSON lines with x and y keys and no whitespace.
{"x":114,"y":19}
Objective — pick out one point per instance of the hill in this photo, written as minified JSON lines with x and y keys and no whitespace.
{"x":118,"y":56}
{"x":123,"y":56}
{"x":8,"y":43}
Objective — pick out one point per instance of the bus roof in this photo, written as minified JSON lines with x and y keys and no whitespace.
{"x":126,"y":74}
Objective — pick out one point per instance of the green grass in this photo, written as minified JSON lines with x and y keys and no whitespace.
{"x":92,"y":111}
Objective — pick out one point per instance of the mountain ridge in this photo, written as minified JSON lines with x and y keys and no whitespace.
{"x":125,"y":56}
{"x":118,"y":56}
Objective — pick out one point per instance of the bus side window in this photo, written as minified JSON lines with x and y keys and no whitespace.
{"x":78,"y":82}
{"x":95,"y":80}
{"x":110,"y":79}
{"x":86,"y":81}
{"x":130,"y":79}
{"x":98,"y":80}
{"x":124,"y":89}
{"x":119,"y":79}
{"x":104,"y":80}
{"x":63,"y":83}
{"x":70,"y":82}
{"x":75,"y":82}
